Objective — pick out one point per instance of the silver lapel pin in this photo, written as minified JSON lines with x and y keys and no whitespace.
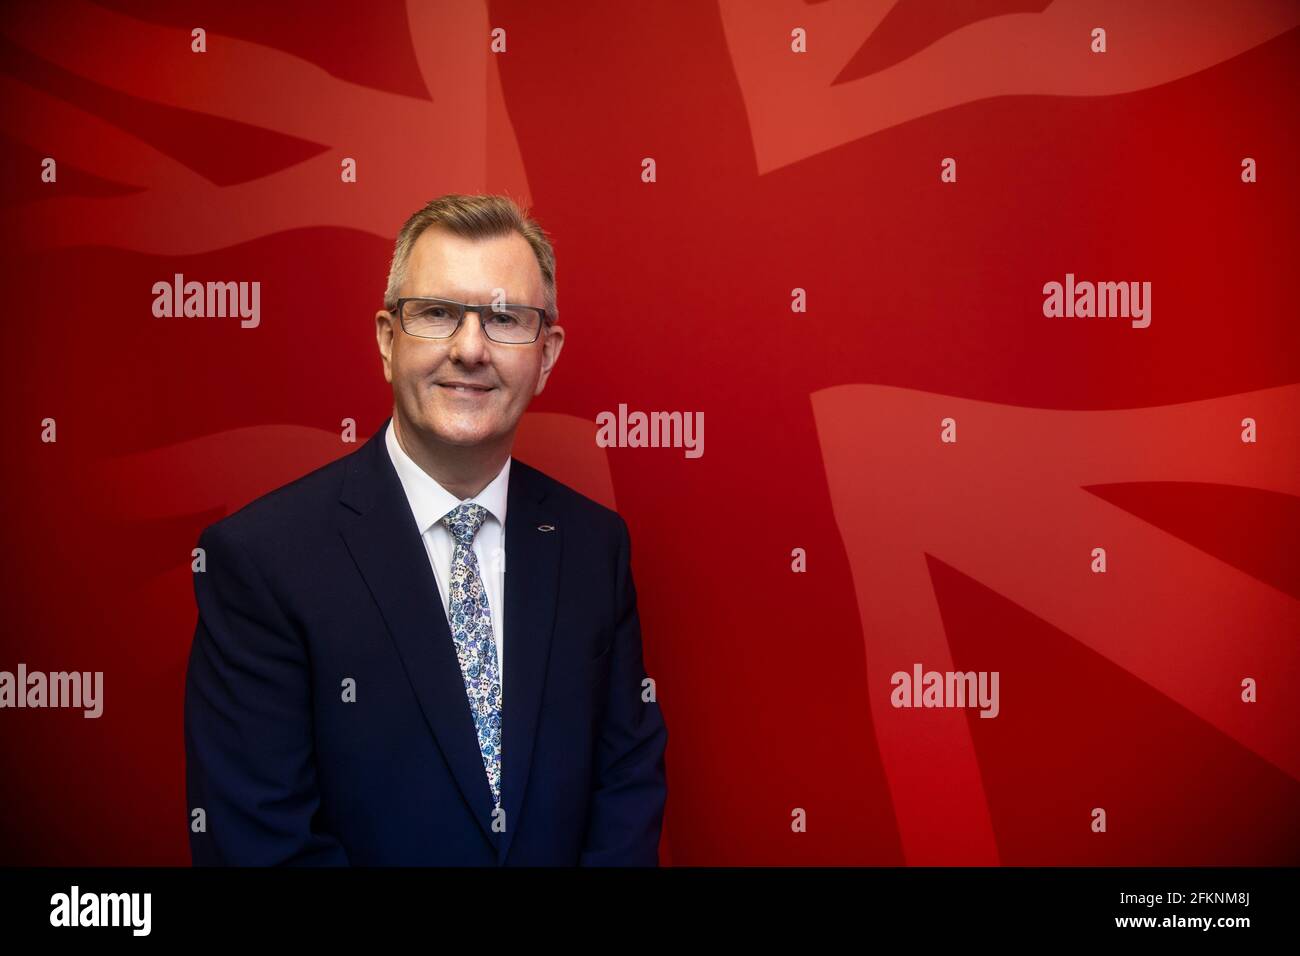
{"x":546,"y":527}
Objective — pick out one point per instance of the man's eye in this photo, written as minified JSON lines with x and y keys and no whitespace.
{"x":504,"y":318}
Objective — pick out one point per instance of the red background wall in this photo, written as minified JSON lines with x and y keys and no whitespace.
{"x":775,"y":171}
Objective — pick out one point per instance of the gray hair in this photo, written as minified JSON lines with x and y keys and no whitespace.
{"x":473,"y":217}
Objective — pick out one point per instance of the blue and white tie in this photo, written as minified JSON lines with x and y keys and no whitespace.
{"x":476,"y":649}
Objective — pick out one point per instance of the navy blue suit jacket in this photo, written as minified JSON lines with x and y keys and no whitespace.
{"x":327,"y":579}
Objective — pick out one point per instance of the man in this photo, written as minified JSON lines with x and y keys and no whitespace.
{"x":369,"y":683}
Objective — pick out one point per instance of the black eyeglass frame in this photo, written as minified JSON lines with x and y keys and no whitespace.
{"x":483,"y":310}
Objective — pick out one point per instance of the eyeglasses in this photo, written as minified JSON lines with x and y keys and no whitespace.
{"x":431,"y":318}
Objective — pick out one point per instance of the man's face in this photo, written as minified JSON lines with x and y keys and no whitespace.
{"x":467,"y":270}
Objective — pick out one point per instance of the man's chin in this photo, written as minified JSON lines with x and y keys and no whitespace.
{"x":437,"y":424}
{"x":459,"y":437}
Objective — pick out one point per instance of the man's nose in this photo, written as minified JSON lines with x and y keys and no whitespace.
{"x":470,"y":341}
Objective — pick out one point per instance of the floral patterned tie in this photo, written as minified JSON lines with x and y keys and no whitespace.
{"x":476,"y":649}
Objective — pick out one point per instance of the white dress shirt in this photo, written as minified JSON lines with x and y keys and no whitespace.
{"x":429,"y":502}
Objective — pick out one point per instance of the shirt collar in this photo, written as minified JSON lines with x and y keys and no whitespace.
{"x":429,"y":500}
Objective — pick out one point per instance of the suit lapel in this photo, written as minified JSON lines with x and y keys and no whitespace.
{"x":381,"y":534}
{"x":531,"y":588}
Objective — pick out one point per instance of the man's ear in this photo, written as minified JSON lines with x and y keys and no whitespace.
{"x":551,"y":347}
{"x":384,"y":336}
